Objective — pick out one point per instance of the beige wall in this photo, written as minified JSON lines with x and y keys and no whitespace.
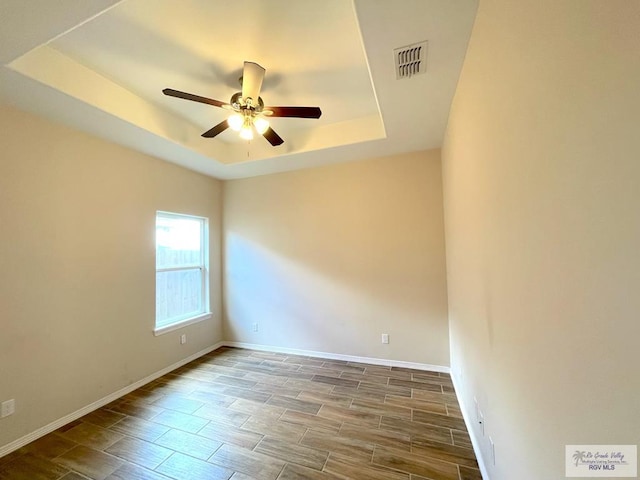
{"x":77,"y":268}
{"x":542,"y":191}
{"x":328,"y":259}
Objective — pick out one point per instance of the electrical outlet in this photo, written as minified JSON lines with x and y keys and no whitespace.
{"x":255,"y":327}
{"x":385,"y":338}
{"x":8,"y":408}
{"x":493,"y":450}
{"x":183,"y":339}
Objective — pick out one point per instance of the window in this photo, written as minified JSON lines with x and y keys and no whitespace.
{"x":182,"y":286}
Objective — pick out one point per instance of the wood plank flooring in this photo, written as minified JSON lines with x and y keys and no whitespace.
{"x":248,"y":415}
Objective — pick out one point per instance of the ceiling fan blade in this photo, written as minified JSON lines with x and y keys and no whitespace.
{"x":300,"y":112}
{"x":252,"y":77}
{"x":194,"y":98}
{"x":219,"y":128}
{"x":272,"y":137}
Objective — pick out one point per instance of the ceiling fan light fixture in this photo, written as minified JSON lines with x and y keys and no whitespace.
{"x":235,"y":122}
{"x":261,"y":124}
{"x":246,"y":133}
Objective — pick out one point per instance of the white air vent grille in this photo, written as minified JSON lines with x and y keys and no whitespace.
{"x":411,"y":60}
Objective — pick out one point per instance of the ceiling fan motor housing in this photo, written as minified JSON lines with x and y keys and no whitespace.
{"x":240,"y":103}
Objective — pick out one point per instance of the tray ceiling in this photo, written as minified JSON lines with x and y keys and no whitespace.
{"x":103,"y":71}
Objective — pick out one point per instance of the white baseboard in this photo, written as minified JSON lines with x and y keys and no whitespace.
{"x":30,"y":437}
{"x":468,"y":423}
{"x":338,"y":356}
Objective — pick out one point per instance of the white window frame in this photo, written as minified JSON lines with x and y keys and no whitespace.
{"x":203,"y":266}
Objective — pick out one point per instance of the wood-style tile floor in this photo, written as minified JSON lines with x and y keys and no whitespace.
{"x":241,"y":415}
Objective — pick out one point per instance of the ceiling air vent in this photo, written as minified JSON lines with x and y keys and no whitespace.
{"x":411,"y":60}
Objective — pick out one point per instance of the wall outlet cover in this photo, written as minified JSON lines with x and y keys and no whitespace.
{"x":8,"y":408}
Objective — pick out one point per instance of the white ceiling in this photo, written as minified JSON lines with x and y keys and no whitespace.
{"x":100,"y":66}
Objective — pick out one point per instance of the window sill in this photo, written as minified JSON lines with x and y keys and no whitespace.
{"x":181,"y":324}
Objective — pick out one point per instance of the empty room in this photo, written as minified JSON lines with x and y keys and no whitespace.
{"x":301,"y":239}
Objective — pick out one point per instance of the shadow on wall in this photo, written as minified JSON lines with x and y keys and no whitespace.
{"x":297,"y":303}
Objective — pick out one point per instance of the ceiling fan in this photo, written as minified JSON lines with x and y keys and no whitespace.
{"x":248,"y":108}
